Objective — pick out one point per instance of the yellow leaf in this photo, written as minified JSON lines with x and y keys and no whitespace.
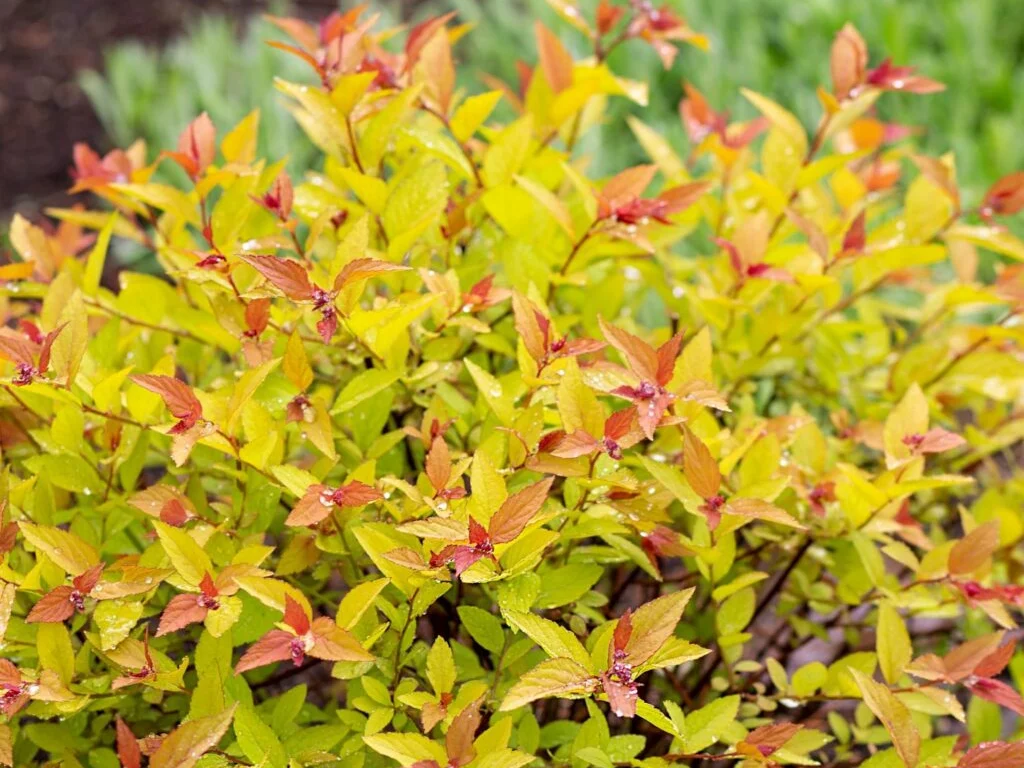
{"x":779,"y":117}
{"x":97,"y":258}
{"x":892,"y":643}
{"x":239,"y":146}
{"x":578,"y":406}
{"x":909,"y":417}
{"x":472,"y":113}
{"x":63,"y":548}
{"x":295,"y":364}
{"x":508,"y":152}
{"x":563,"y":678}
{"x":893,"y":714}
{"x":186,"y":556}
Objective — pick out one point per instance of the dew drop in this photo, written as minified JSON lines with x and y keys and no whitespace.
{"x":87,"y":491}
{"x":58,"y":551}
{"x":32,"y":689}
{"x":467,"y":308}
{"x":442,"y":506}
{"x":561,"y":373}
{"x":387,"y":495}
{"x":148,"y":580}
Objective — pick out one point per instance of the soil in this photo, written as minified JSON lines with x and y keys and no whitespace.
{"x":43,"y":43}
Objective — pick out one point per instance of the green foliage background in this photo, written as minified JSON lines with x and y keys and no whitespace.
{"x":975,"y":47}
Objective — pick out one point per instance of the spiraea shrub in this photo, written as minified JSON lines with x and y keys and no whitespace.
{"x":450,"y":455}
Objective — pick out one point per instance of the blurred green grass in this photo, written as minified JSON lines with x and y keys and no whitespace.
{"x":777,"y":47}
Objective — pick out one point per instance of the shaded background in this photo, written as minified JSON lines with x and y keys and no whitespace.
{"x":108,"y":71}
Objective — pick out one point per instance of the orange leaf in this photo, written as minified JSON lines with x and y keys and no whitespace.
{"x":287,"y":275}
{"x":459,"y":739}
{"x":360,"y":269}
{"x":971,"y":552}
{"x":198,"y":143}
{"x":639,"y":355}
{"x":274,"y":646}
{"x":849,"y":61}
{"x":555,"y":61}
{"x":181,"y":611}
{"x":53,"y":608}
{"x":128,"y":751}
{"x":439,"y":464}
{"x":699,"y":466}
{"x":515,"y":514}
{"x":178,"y":396}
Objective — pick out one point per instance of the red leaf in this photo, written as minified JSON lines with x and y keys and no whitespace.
{"x":995,"y":662}
{"x":295,"y":615}
{"x":288,"y":275}
{"x":356,"y":494}
{"x":667,"y":354}
{"x":518,"y":509}
{"x":855,"y":238}
{"x":174,"y":513}
{"x":623,"y":631}
{"x":327,"y":324}
{"x":998,"y":692}
{"x":1006,"y":196}
{"x":53,"y":608}
{"x":46,"y":346}
{"x":257,"y":316}
{"x":274,"y":646}
{"x":464,"y":557}
{"x":178,"y":396}
{"x":128,"y":751}
{"x":87,"y":580}
{"x":181,"y":611}
{"x":208,"y":588}
{"x":477,"y":533}
{"x":994,"y":754}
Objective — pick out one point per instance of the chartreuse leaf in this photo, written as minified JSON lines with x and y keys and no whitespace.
{"x":892,"y":642}
{"x":186,"y":556}
{"x":556,"y":641}
{"x":559,"y":677}
{"x":407,"y":748}
{"x":65,"y":549}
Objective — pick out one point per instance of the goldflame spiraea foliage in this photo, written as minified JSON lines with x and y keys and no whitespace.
{"x":451,"y":455}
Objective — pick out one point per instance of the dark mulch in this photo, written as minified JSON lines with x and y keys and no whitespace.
{"x":43,"y":43}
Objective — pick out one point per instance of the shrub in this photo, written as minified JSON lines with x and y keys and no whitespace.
{"x":451,"y":455}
